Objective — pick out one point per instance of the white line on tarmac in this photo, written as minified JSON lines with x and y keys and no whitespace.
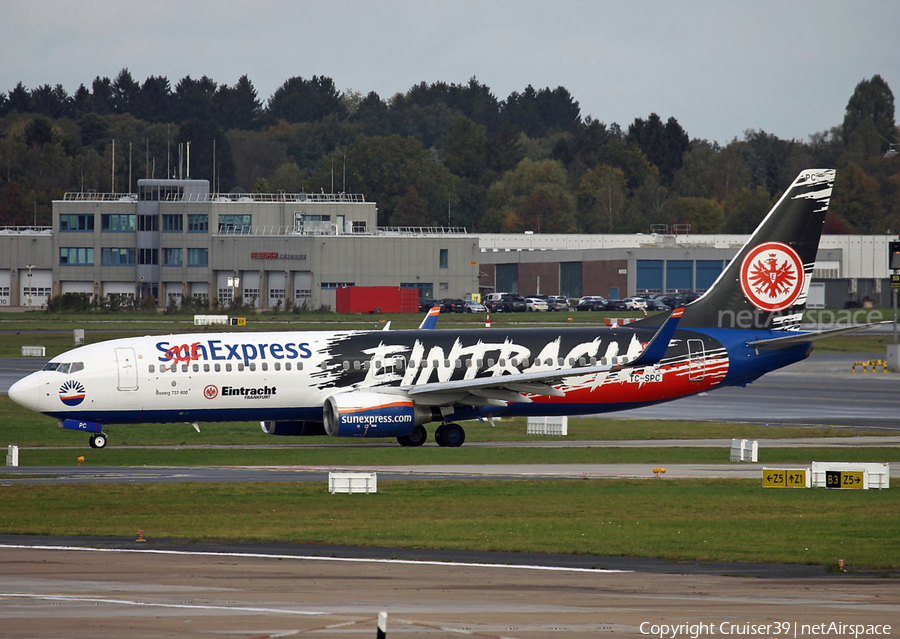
{"x":412,"y":562}
{"x":128,"y":602}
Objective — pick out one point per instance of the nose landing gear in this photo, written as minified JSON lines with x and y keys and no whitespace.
{"x":98,"y":440}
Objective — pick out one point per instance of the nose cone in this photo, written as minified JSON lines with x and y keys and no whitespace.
{"x":26,"y":392}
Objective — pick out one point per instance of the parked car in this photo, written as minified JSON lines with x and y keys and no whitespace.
{"x":451,"y":305}
{"x":475,"y":307}
{"x":592,"y":303}
{"x":657,"y":305}
{"x":634,"y":303}
{"x":427,"y":305}
{"x":557,"y":303}
{"x":505,"y":303}
{"x":535,"y":304}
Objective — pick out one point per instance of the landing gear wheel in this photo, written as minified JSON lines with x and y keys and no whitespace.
{"x":98,"y":440}
{"x":450,"y":435}
{"x":416,"y":438}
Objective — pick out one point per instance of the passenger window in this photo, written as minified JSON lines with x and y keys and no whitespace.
{"x":228,"y":368}
{"x":264,"y":366}
{"x":252,"y":367}
{"x":287,"y":366}
{"x":196,"y":368}
{"x":206,"y":368}
{"x":277,"y":366}
{"x":240,"y":368}
{"x":218,"y":367}
{"x":184,"y":368}
{"x":345,"y":365}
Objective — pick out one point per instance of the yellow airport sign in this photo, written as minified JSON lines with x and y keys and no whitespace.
{"x":853,"y":479}
{"x":785,"y":478}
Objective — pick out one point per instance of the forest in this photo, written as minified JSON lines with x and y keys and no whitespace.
{"x":438,"y":155}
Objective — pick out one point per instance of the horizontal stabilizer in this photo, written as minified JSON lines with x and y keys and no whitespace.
{"x":779,"y":343}
{"x":658,"y":346}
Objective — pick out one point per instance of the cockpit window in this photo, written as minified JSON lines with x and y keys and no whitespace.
{"x":64,"y":367}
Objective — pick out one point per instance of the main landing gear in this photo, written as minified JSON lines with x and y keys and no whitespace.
{"x":98,"y":440}
{"x":449,"y":435}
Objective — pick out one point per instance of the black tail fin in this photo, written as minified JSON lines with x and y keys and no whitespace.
{"x":765,"y":285}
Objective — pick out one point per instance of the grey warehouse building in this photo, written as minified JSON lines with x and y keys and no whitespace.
{"x":174,"y":239}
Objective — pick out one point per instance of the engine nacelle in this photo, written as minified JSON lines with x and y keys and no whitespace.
{"x":371,"y":414}
{"x":293,"y":429}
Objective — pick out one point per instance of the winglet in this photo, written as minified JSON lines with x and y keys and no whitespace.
{"x":658,"y":346}
{"x":430,"y":320}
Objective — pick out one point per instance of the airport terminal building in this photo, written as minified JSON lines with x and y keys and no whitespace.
{"x":175,"y":239}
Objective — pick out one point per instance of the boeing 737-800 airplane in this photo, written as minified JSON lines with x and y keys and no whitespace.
{"x":392,"y":383}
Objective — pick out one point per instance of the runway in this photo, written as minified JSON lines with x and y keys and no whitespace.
{"x":112,"y":593}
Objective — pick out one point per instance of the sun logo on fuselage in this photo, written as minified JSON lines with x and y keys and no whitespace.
{"x":71,"y":393}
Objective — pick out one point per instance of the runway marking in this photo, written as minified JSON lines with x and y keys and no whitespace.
{"x":128,"y":602}
{"x":409,"y":562}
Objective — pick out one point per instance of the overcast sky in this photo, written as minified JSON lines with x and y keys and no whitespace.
{"x":718,"y":67}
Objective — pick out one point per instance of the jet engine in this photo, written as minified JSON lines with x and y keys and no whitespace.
{"x":371,"y":414}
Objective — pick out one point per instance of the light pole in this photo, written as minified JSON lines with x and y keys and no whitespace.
{"x":30,"y":290}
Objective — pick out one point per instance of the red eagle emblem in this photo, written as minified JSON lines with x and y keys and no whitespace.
{"x":770,"y":279}
{"x":772,"y":276}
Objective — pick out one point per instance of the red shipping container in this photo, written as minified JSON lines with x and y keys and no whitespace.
{"x":371,"y":299}
{"x":409,"y":300}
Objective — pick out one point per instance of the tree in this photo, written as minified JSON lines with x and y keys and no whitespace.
{"x":13,"y":209}
{"x":857,"y":200}
{"x":154,"y":102}
{"x":238,"y":107}
{"x":203,"y":135}
{"x":300,"y":100}
{"x":385,"y":169}
{"x":539,"y":113}
{"x":533,"y":197}
{"x":663,"y":144}
{"x":102,"y":96}
{"x":765,"y":155}
{"x":602,"y":193}
{"x":869,"y":119}
{"x":39,"y":132}
{"x":703,"y":214}
{"x":745,"y":209}
{"x":20,"y":99}
{"x":125,"y":93}
{"x":464,"y":149}
{"x":193,"y":99}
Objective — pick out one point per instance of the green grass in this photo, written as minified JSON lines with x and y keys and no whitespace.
{"x":23,"y":427}
{"x":365,"y":455}
{"x":693,"y":520}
